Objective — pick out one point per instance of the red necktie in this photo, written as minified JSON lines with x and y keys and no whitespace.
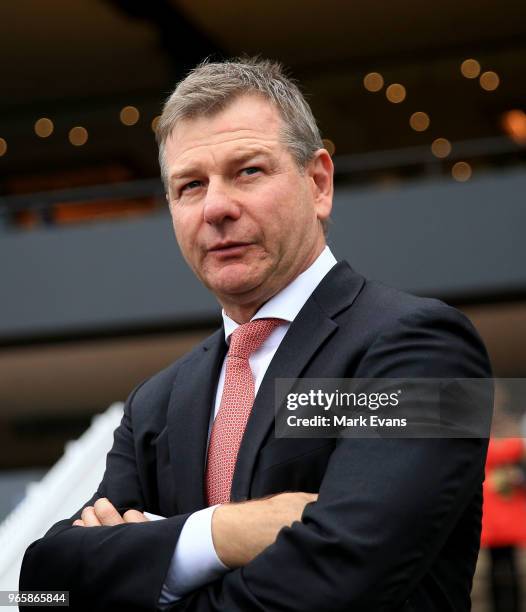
{"x":234,"y":410}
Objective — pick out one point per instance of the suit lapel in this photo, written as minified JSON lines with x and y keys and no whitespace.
{"x":311,"y":328}
{"x":188,"y":417}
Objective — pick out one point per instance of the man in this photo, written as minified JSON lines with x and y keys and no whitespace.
{"x":255,"y":522}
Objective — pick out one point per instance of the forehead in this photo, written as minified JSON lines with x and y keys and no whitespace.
{"x":249,"y":121}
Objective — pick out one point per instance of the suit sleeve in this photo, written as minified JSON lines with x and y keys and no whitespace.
{"x":107,"y":568}
{"x":385,"y":506}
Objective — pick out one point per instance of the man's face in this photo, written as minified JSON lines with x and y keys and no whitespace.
{"x":245,"y":217}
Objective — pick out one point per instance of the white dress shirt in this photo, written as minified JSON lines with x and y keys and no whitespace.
{"x":195,"y":562}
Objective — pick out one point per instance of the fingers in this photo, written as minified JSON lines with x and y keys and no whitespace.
{"x":298,"y":497}
{"x":309,"y":496}
{"x":89,"y":518}
{"x":305,"y":498}
{"x":134,"y":516}
{"x":106,"y":513}
{"x":103,"y":513}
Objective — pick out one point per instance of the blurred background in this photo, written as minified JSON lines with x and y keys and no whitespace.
{"x":423,"y":107}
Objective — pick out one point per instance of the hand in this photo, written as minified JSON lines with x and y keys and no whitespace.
{"x":241,"y":531}
{"x":103,"y":513}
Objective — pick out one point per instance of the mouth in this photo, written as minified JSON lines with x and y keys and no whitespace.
{"x":229,"y":248}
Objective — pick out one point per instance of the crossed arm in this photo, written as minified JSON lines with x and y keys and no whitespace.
{"x":240,"y":531}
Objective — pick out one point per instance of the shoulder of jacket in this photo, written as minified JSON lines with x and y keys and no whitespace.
{"x":156,"y":389}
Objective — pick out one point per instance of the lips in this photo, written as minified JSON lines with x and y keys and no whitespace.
{"x":229,"y":251}
{"x":228,"y":247}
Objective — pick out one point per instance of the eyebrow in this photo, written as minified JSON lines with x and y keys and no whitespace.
{"x":235,"y":160}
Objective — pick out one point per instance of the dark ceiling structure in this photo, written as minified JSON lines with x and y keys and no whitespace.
{"x":80,"y":62}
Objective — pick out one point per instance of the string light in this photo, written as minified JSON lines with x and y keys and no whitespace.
{"x":441,"y":147}
{"x":329,"y":145}
{"x":489,"y":80}
{"x":514,"y":124}
{"x":470,"y":68}
{"x":78,"y":136}
{"x":461,"y":171}
{"x":373,"y":81}
{"x":129,"y":115}
{"x":44,"y":127}
{"x":395,"y":93}
{"x":419,"y":121}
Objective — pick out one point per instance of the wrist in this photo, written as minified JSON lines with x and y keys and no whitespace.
{"x":225,"y":536}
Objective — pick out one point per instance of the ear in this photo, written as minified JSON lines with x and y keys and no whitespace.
{"x":321,"y":172}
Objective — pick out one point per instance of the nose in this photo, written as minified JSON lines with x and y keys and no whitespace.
{"x":220,"y":203}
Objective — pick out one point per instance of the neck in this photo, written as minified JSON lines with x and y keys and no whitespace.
{"x":242,"y":310}
{"x":242,"y":313}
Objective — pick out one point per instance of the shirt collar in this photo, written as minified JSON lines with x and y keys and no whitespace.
{"x":287,"y":303}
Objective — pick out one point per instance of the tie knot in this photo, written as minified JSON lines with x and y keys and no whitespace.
{"x":248,"y":337}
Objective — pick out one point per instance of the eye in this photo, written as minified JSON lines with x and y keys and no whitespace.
{"x":251,"y":170}
{"x":190,"y":185}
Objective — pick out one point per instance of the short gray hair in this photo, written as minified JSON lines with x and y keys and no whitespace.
{"x":211,"y":86}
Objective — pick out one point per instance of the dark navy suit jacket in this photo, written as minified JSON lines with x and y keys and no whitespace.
{"x":397,"y":523}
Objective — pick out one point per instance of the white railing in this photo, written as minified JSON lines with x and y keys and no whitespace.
{"x":62,"y":491}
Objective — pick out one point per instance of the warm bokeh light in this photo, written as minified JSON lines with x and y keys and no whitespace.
{"x":461,"y":172}
{"x":329,"y":145}
{"x":3,"y":147}
{"x":155,"y":122}
{"x":514,"y":124}
{"x":489,"y":80}
{"x":395,"y":93}
{"x":441,"y":147}
{"x":419,"y":121}
{"x":470,"y":68}
{"x":78,"y":136}
{"x":373,"y":81}
{"x":129,"y":115}
{"x":44,"y":127}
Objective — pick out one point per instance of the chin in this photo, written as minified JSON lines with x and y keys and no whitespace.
{"x":238,"y":287}
{"x":233,"y":283}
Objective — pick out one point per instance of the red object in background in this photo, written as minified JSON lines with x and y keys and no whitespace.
{"x":504,"y":518}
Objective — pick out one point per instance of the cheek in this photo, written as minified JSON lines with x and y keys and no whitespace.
{"x":285,"y":215}
{"x":275,"y":210}
{"x":184,"y":229}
